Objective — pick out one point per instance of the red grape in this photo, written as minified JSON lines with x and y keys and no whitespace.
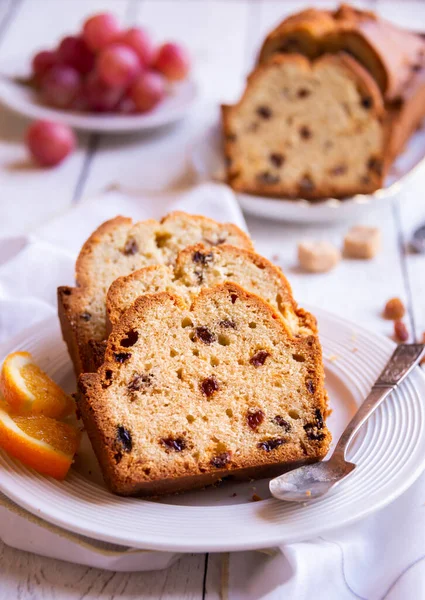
{"x":101,"y":30}
{"x":118,"y":65}
{"x":173,"y":61}
{"x":74,"y":52}
{"x":60,"y":86}
{"x":100,"y":97}
{"x":139,"y":40}
{"x":43,"y":61}
{"x":147,"y":90}
{"x":49,"y":143}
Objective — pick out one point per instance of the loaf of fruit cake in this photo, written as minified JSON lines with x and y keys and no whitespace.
{"x":189,"y":394}
{"x":307,"y":129}
{"x":117,"y":248}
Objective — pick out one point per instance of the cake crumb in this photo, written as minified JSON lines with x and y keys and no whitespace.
{"x":275,"y":257}
{"x":256,"y":498}
{"x":362,"y":242}
{"x":354,"y":350}
{"x":333,"y":358}
{"x":308,"y":493}
{"x":318,"y":256}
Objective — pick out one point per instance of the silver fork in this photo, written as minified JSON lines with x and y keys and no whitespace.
{"x":313,"y":481}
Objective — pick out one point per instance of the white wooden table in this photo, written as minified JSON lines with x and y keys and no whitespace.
{"x":223,"y":36}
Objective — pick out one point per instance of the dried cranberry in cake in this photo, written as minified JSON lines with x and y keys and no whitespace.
{"x":271,"y":444}
{"x":264,"y":112}
{"x":205,"y":335}
{"x":305,"y":132}
{"x":259,"y":358}
{"x":86,"y":316}
{"x":221,"y":460}
{"x":278,"y":420}
{"x":255,"y":418}
{"x":277,"y":159}
{"x":306,"y":184}
{"x":375,"y":164}
{"x":209,"y":386}
{"x":124,"y":438}
{"x":338,"y":170}
{"x":140,"y":382}
{"x":309,"y":384}
{"x":228,"y":324}
{"x":268,"y":178}
{"x":367,"y":102}
{"x":202,"y":258}
{"x":121,"y":357}
{"x":313,"y":429}
{"x":174,"y":444}
{"x":130,"y":247}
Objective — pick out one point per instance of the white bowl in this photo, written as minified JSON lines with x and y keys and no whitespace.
{"x":23,"y":100}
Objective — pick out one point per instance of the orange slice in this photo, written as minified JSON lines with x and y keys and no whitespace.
{"x":26,"y":388}
{"x":46,"y":445}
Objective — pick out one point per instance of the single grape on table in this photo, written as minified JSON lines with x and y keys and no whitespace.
{"x":104,"y":68}
{"x":49,"y":143}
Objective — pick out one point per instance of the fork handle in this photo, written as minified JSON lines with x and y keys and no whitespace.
{"x":401,"y":363}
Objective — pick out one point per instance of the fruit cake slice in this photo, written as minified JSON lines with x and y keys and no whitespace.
{"x":197,"y":267}
{"x":117,"y":248}
{"x":307,"y":130}
{"x":184,"y":400}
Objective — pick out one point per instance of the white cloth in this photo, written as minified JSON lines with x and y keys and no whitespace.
{"x":380,"y":558}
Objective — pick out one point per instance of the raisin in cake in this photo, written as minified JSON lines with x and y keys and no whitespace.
{"x":184,"y":400}
{"x":197,"y":267}
{"x":117,"y":248}
{"x":306,"y":129}
{"x":394,"y":57}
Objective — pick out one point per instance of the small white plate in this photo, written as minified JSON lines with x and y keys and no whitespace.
{"x":23,"y":100}
{"x":389,"y":452}
{"x":208,"y":162}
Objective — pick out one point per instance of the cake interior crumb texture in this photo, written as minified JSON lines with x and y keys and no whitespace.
{"x":189,"y":395}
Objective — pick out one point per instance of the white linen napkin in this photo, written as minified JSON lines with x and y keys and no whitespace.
{"x":380,"y":558}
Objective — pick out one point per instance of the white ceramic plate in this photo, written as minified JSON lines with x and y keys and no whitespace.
{"x":23,"y":100}
{"x":389,"y":451}
{"x":208,"y":162}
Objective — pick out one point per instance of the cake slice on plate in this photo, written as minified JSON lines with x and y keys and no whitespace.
{"x":185,"y":399}
{"x":117,"y":248}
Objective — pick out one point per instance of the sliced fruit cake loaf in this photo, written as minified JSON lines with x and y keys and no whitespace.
{"x":306,"y":130}
{"x":183,"y":399}
{"x":117,"y":248}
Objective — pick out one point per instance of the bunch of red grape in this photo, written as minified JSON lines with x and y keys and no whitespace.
{"x":107,"y":69}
